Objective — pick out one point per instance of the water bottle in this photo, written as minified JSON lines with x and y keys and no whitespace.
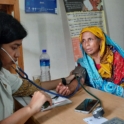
{"x":45,"y":66}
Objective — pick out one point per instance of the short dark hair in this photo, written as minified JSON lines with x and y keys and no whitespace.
{"x":10,"y":29}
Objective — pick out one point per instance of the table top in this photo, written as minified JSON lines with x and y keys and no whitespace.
{"x":113,"y":107}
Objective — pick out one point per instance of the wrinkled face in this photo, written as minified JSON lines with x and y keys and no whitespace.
{"x":90,"y":43}
{"x":13,"y":50}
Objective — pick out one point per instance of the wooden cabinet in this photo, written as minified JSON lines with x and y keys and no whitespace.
{"x":12,"y":7}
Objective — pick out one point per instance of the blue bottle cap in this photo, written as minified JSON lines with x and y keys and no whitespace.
{"x":44,"y":51}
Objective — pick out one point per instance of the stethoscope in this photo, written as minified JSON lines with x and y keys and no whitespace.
{"x":97,"y":113}
{"x":23,"y":75}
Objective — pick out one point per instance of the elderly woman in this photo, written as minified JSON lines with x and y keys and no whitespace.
{"x":103,"y":60}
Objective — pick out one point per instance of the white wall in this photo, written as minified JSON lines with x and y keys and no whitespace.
{"x":51,"y":31}
{"x":115,"y":20}
{"x":48,"y":31}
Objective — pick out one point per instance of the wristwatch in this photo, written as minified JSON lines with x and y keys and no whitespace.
{"x":64,"y":81}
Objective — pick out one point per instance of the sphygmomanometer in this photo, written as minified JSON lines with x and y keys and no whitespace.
{"x":80,"y":73}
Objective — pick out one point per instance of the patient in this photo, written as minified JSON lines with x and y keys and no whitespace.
{"x":104,"y":61}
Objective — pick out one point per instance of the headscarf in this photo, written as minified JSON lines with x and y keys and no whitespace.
{"x":106,"y":55}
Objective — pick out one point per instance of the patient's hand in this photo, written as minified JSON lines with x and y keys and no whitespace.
{"x":62,"y":89}
{"x":68,"y":89}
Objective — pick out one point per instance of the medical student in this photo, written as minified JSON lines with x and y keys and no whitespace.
{"x":11,"y":35}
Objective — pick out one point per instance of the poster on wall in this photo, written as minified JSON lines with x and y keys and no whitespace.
{"x":73,"y":5}
{"x":88,"y":13}
{"x":41,"y":6}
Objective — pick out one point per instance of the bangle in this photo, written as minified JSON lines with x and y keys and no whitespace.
{"x":63,"y":81}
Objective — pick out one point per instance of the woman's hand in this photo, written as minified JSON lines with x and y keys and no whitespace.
{"x":23,"y":114}
{"x":71,"y":82}
{"x":62,"y":89}
{"x":68,"y":89}
{"x":38,"y":99}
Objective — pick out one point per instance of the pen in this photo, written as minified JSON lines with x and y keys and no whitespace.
{"x":55,"y":97}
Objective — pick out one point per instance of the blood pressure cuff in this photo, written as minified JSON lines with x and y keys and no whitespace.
{"x":80,"y":72}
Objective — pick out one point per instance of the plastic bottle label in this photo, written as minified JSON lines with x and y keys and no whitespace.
{"x":44,"y":62}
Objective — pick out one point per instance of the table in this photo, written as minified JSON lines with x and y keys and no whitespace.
{"x":113,"y":107}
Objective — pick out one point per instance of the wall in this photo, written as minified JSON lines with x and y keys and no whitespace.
{"x":51,"y":32}
{"x":48,"y":31}
{"x":115,"y":20}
